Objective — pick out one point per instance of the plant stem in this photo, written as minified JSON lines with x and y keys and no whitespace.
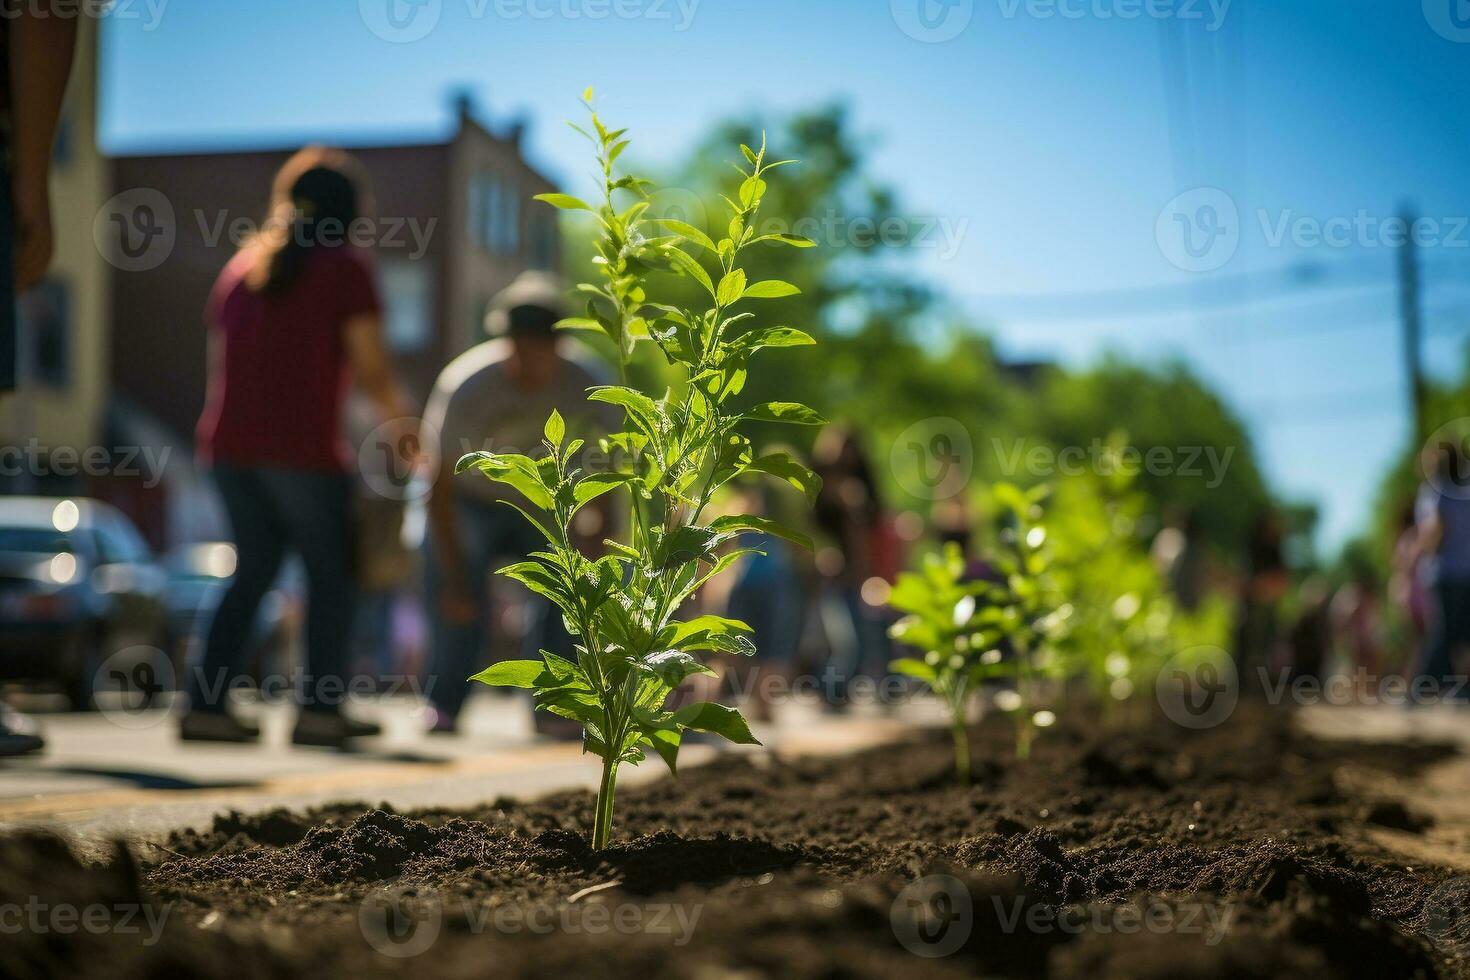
{"x":602,"y":818}
{"x":961,"y":747}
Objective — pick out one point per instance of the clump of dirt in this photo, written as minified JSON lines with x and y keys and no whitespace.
{"x":1232,"y":852}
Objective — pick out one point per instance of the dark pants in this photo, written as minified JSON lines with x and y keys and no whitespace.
{"x":1449,"y":633}
{"x":491,"y":535}
{"x":273,"y":511}
{"x":9,"y":348}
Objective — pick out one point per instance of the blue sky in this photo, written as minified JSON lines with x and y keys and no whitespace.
{"x":1053,"y":133}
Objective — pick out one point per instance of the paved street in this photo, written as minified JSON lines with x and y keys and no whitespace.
{"x":124,"y":772}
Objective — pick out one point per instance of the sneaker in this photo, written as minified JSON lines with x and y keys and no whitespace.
{"x":215,"y":726}
{"x":19,"y":734}
{"x":331,"y":730}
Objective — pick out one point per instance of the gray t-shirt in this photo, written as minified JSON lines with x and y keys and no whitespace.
{"x":1452,"y":563}
{"x":476,"y":407}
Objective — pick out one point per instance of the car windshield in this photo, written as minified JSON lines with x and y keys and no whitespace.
{"x":33,"y":539}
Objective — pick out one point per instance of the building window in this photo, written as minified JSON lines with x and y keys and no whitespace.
{"x":495,"y":214}
{"x":406,"y":303}
{"x":541,"y":245}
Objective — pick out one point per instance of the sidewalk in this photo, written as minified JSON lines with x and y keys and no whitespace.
{"x":106,"y":774}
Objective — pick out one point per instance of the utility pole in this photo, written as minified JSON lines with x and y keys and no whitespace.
{"x":1409,"y":316}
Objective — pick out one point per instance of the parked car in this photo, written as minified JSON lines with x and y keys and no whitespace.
{"x":78,"y":589}
{"x":198,"y":575}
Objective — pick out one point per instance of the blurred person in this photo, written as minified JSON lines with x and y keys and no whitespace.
{"x":1357,"y":617}
{"x":384,"y":562}
{"x":1407,"y":590}
{"x":496,"y":397}
{"x":1264,"y":584}
{"x":1309,"y":639}
{"x":1443,"y":522}
{"x":36,"y":51}
{"x":849,"y":510}
{"x":765,"y":593}
{"x":293,"y":317}
{"x":1179,"y":556}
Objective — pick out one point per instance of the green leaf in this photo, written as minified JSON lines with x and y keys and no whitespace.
{"x":785,"y":467}
{"x":914,"y":668}
{"x":635,"y":402}
{"x":732,"y":287}
{"x":556,"y":429}
{"x":519,"y":472}
{"x":794,"y":413}
{"x":594,"y":485}
{"x":752,"y":191}
{"x":795,"y":241}
{"x":685,"y":544}
{"x":686,"y":230}
{"x":703,"y":624}
{"x":673,"y":666}
{"x":763,"y":337}
{"x":706,"y":716}
{"x":738,"y":523}
{"x":691,"y":268}
{"x":564,"y":201}
{"x":512,"y":673}
{"x":770,"y":289}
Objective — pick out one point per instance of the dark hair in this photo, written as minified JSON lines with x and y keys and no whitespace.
{"x":316,"y":196}
{"x":532,"y":322}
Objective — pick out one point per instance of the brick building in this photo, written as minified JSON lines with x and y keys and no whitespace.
{"x":454,"y":223}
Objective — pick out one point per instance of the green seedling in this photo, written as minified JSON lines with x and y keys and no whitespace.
{"x":674,"y":453}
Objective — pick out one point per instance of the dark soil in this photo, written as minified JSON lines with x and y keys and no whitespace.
{"x":1230,"y":853}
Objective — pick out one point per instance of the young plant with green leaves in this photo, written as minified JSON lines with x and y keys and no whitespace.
{"x":676,"y":451}
{"x":959,"y":637}
{"x":973,"y":630}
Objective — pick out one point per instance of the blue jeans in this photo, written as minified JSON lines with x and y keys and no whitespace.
{"x":8,"y":340}
{"x":1449,"y":633}
{"x":491,"y":536}
{"x":273,"y":511}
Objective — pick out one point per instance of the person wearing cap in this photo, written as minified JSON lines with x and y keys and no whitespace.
{"x":496,"y":397}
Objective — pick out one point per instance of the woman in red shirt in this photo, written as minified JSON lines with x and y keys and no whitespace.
{"x":293,"y":316}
